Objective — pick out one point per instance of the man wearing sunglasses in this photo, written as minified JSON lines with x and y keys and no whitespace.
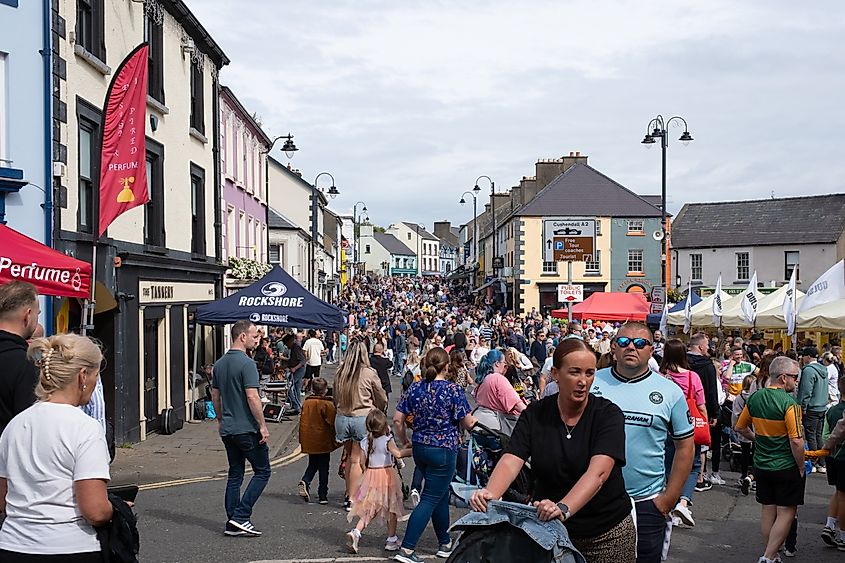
{"x":772,"y":419}
{"x":655,"y":410}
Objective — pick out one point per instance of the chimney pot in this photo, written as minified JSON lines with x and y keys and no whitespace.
{"x":571,"y":153}
{"x":577,"y":153}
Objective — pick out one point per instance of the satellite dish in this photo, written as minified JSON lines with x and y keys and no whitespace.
{"x":657,"y":235}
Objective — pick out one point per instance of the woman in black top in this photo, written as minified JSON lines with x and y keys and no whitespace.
{"x":576,"y":444}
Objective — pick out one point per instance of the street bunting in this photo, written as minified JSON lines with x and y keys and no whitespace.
{"x":570,"y":293}
{"x":569,"y":239}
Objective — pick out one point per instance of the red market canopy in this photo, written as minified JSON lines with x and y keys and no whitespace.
{"x":53,"y":273}
{"x":609,"y":307}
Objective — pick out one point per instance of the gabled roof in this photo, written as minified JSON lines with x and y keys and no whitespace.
{"x":245,"y":116}
{"x":421,"y":230}
{"x":179,"y":10}
{"x":789,"y":220}
{"x":583,"y":191}
{"x":392,"y":244}
{"x":276,"y":220}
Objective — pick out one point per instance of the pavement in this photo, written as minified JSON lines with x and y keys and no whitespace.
{"x":195,"y":452}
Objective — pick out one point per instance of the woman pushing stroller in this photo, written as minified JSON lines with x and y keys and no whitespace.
{"x":576,"y":445}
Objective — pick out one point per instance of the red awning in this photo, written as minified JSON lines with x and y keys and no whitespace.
{"x":52,"y":272}
{"x":609,"y":306}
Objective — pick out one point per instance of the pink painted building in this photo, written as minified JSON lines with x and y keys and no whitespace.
{"x":243,"y":150}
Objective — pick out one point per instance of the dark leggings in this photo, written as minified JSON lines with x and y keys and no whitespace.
{"x":745,"y":460}
{"x":715,"y":447}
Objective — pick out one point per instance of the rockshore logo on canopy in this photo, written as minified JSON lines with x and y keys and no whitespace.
{"x":272,"y":297}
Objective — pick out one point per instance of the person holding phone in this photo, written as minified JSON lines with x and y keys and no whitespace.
{"x":54,"y":463}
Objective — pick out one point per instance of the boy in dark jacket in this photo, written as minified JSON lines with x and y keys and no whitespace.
{"x":316,"y":438}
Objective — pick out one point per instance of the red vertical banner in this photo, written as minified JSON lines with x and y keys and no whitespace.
{"x":123,"y":161}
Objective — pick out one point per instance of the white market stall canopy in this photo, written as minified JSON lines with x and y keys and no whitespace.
{"x":701,"y":313}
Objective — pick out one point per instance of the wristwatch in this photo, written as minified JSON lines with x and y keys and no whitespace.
{"x":564,"y":511}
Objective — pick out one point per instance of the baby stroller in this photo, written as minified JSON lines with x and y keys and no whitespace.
{"x":476,"y":461}
{"x":731,"y":449}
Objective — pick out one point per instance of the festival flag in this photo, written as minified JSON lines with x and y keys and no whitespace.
{"x":688,"y":309}
{"x":789,"y":312}
{"x":829,"y":287}
{"x":663,"y":319}
{"x":123,"y":161}
{"x":749,"y":302}
{"x":717,"y":303}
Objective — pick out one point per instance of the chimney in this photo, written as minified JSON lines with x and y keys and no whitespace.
{"x":365,"y":231}
{"x":549,"y":169}
{"x":443,"y":230}
{"x":528,"y":186}
{"x":516,"y":197}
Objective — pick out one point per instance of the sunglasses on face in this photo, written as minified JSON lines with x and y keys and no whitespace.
{"x":639,"y":343}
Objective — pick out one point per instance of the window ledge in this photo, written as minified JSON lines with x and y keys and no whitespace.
{"x":199,"y":257}
{"x":592,"y":274}
{"x":157,"y":105}
{"x":92,"y":60}
{"x":635,"y":275}
{"x":636,"y":233}
{"x":155,"y":249}
{"x":549,"y":275}
{"x":196,"y":134}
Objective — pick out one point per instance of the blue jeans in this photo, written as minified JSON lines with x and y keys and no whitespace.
{"x":296,"y":389}
{"x":438,"y":468}
{"x":813,"y":428}
{"x":651,"y":532}
{"x":689,"y":484}
{"x":239,"y":449}
{"x":400,"y":365}
{"x":417,"y":479}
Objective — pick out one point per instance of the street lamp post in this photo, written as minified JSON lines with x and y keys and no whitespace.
{"x":474,"y":220}
{"x":356,"y":232}
{"x":333,"y":193}
{"x":658,"y":130}
{"x":288,"y":148}
{"x":492,"y":212}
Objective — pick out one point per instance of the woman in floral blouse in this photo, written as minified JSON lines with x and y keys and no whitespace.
{"x":439,"y":408}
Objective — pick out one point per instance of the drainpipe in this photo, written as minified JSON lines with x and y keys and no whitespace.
{"x":46,"y":59}
{"x":215,"y":151}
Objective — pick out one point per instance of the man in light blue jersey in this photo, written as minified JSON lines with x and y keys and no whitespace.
{"x":655,"y":410}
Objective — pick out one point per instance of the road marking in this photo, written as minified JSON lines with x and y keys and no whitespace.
{"x":335,"y":559}
{"x":292,"y":457}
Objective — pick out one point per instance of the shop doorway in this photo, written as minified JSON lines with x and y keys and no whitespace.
{"x":152,"y":373}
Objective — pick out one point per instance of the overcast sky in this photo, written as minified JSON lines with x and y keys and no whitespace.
{"x":406,"y":103}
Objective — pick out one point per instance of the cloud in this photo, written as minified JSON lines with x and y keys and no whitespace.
{"x":407,"y":103}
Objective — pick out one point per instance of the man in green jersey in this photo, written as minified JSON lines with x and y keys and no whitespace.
{"x":772,"y":419}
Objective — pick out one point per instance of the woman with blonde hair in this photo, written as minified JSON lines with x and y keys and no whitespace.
{"x":54,"y":463}
{"x":357,"y":391}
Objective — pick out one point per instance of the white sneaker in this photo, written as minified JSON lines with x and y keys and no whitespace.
{"x":716,"y":479}
{"x":684,"y":514}
{"x":352,"y":538}
{"x":265,"y":400}
{"x":392,"y":544}
{"x":821,"y":469}
{"x":415,"y":497}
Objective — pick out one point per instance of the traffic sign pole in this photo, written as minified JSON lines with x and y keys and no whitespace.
{"x":569,"y":281}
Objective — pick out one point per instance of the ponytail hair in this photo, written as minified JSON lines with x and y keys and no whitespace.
{"x":485,"y":365}
{"x":436,"y":362}
{"x":377,"y":427}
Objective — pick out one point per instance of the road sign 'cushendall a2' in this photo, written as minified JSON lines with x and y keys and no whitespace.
{"x":568,"y":239}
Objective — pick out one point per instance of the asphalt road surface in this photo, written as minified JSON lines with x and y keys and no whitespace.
{"x":184,"y":522}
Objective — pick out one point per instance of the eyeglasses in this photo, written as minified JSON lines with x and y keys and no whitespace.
{"x":639,"y":343}
{"x":792,"y":375}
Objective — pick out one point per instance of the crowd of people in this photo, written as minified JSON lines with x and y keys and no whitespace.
{"x":620,"y":426}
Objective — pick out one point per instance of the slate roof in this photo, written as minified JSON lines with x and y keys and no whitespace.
{"x":761,"y":222}
{"x":277,"y":221}
{"x":423,"y":233}
{"x":583,"y":191}
{"x":392,"y":244}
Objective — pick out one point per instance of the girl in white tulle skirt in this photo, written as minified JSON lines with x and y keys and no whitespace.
{"x":380,"y":492}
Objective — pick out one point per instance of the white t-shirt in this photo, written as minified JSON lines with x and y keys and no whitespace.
{"x":313,"y":347}
{"x":380,"y":457}
{"x":43,"y":451}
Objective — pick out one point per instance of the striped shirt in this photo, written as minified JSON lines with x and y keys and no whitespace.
{"x":776,"y":419}
{"x":96,"y":407}
{"x":486,"y":333}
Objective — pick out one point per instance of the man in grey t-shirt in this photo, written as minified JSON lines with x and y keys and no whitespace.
{"x":240,"y":417}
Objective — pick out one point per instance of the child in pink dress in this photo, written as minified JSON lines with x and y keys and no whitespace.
{"x":380,"y":492}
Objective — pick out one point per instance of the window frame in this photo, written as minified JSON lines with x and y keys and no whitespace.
{"x":198,"y":238}
{"x":633,"y":227}
{"x":90,"y":119}
{"x":693,"y":267}
{"x":549,"y":269}
{"x":154,"y":211}
{"x":154,"y":35}
{"x":197,"y":98}
{"x":90,"y":27}
{"x":787,"y":271}
{"x":633,"y":260}
{"x":747,"y":266}
{"x":593,"y":267}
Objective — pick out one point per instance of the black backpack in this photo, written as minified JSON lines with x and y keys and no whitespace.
{"x":119,"y":539}
{"x":499,"y":543}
